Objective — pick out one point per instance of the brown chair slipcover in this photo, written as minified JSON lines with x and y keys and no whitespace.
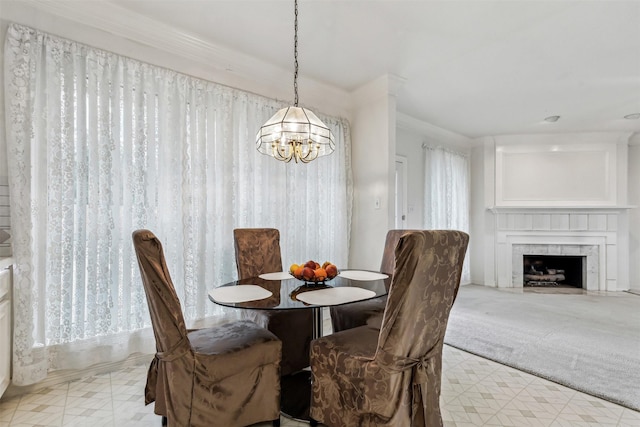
{"x":358,"y":313}
{"x":228,"y":375}
{"x":391,"y":376}
{"x":258,"y":252}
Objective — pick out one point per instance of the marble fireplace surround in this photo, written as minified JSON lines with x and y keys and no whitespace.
{"x":592,"y":235}
{"x":591,"y":253}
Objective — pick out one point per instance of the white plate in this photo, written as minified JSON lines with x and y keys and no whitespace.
{"x":279,"y":275}
{"x":362,"y":275}
{"x":239,"y":293}
{"x":333,"y":296}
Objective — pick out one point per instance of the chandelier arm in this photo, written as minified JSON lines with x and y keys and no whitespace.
{"x":280,"y":154}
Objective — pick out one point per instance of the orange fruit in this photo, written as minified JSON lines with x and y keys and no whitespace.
{"x":332,"y":271}
{"x":320,"y":274}
{"x":298,"y":273}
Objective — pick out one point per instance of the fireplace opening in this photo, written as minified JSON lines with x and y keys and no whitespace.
{"x":554,"y":270}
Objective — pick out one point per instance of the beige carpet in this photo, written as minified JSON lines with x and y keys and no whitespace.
{"x":589,"y":342}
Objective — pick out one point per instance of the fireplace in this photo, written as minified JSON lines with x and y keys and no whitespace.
{"x":554,"y":270}
{"x":592,"y":265}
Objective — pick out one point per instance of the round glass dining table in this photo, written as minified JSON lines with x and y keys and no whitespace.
{"x":281,"y":291}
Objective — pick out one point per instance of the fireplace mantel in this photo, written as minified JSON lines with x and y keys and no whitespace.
{"x":560,"y":230}
{"x":558,"y":209}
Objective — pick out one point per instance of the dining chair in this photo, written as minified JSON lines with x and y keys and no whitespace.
{"x":227,"y":375}
{"x":391,"y":376}
{"x":356,"y":314}
{"x":258,"y":252}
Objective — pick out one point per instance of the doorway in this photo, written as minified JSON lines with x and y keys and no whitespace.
{"x":401,"y":193}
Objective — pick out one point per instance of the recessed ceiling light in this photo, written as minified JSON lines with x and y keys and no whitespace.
{"x":633,"y":116}
{"x":551,"y":119}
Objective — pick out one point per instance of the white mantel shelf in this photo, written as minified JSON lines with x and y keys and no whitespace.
{"x":558,"y":209}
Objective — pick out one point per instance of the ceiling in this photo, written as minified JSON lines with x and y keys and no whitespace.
{"x":477,"y":68}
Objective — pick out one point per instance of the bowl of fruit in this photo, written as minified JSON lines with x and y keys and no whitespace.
{"x":313,"y":273}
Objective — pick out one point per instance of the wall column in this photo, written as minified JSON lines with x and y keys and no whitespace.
{"x":373,"y":148}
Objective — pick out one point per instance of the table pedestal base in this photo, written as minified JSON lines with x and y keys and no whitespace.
{"x":294,"y":396}
{"x":295,"y":389}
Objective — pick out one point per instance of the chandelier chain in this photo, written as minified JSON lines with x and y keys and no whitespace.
{"x":295,"y":54}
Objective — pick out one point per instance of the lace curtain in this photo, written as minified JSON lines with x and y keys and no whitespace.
{"x":447,"y":194}
{"x":100,"y":145}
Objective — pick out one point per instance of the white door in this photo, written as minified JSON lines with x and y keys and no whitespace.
{"x":401,"y":193}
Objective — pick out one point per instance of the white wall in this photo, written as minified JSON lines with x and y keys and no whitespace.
{"x":373,"y":161}
{"x":477,"y":217}
{"x":634,"y":214}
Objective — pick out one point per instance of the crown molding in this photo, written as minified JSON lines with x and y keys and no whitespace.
{"x":227,"y":66}
{"x":381,"y":87}
{"x":406,"y":122}
{"x":122,"y":22}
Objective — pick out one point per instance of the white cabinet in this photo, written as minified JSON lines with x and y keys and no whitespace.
{"x":5,"y":328}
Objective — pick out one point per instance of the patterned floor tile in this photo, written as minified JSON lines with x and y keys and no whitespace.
{"x":41,"y":400}
{"x":540,"y":388}
{"x":499,"y":391}
{"x":629,"y":418}
{"x":515,"y":418}
{"x":468,"y":410}
{"x":36,"y":419}
{"x":94,"y":421}
{"x":475,"y":392}
{"x":531,"y":400}
{"x":7,"y":408}
{"x":589,"y":409}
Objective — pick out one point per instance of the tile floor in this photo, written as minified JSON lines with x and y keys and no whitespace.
{"x":475,"y":392}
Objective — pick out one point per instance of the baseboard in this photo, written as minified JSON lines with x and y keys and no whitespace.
{"x":63,"y":376}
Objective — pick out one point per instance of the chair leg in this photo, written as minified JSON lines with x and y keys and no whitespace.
{"x":164,"y":421}
{"x":276,"y":423}
{"x":313,"y":423}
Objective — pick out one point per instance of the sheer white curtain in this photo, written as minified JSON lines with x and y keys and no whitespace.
{"x":100,"y":145}
{"x":447,"y":194}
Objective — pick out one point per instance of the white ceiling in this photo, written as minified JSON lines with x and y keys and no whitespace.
{"x":473,"y":67}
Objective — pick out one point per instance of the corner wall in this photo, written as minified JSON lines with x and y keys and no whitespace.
{"x":373,"y":147}
{"x":634,"y":214}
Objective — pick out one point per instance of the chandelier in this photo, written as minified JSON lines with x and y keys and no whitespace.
{"x":295,"y":132}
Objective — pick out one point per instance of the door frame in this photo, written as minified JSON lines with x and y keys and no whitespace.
{"x":402,"y":224}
